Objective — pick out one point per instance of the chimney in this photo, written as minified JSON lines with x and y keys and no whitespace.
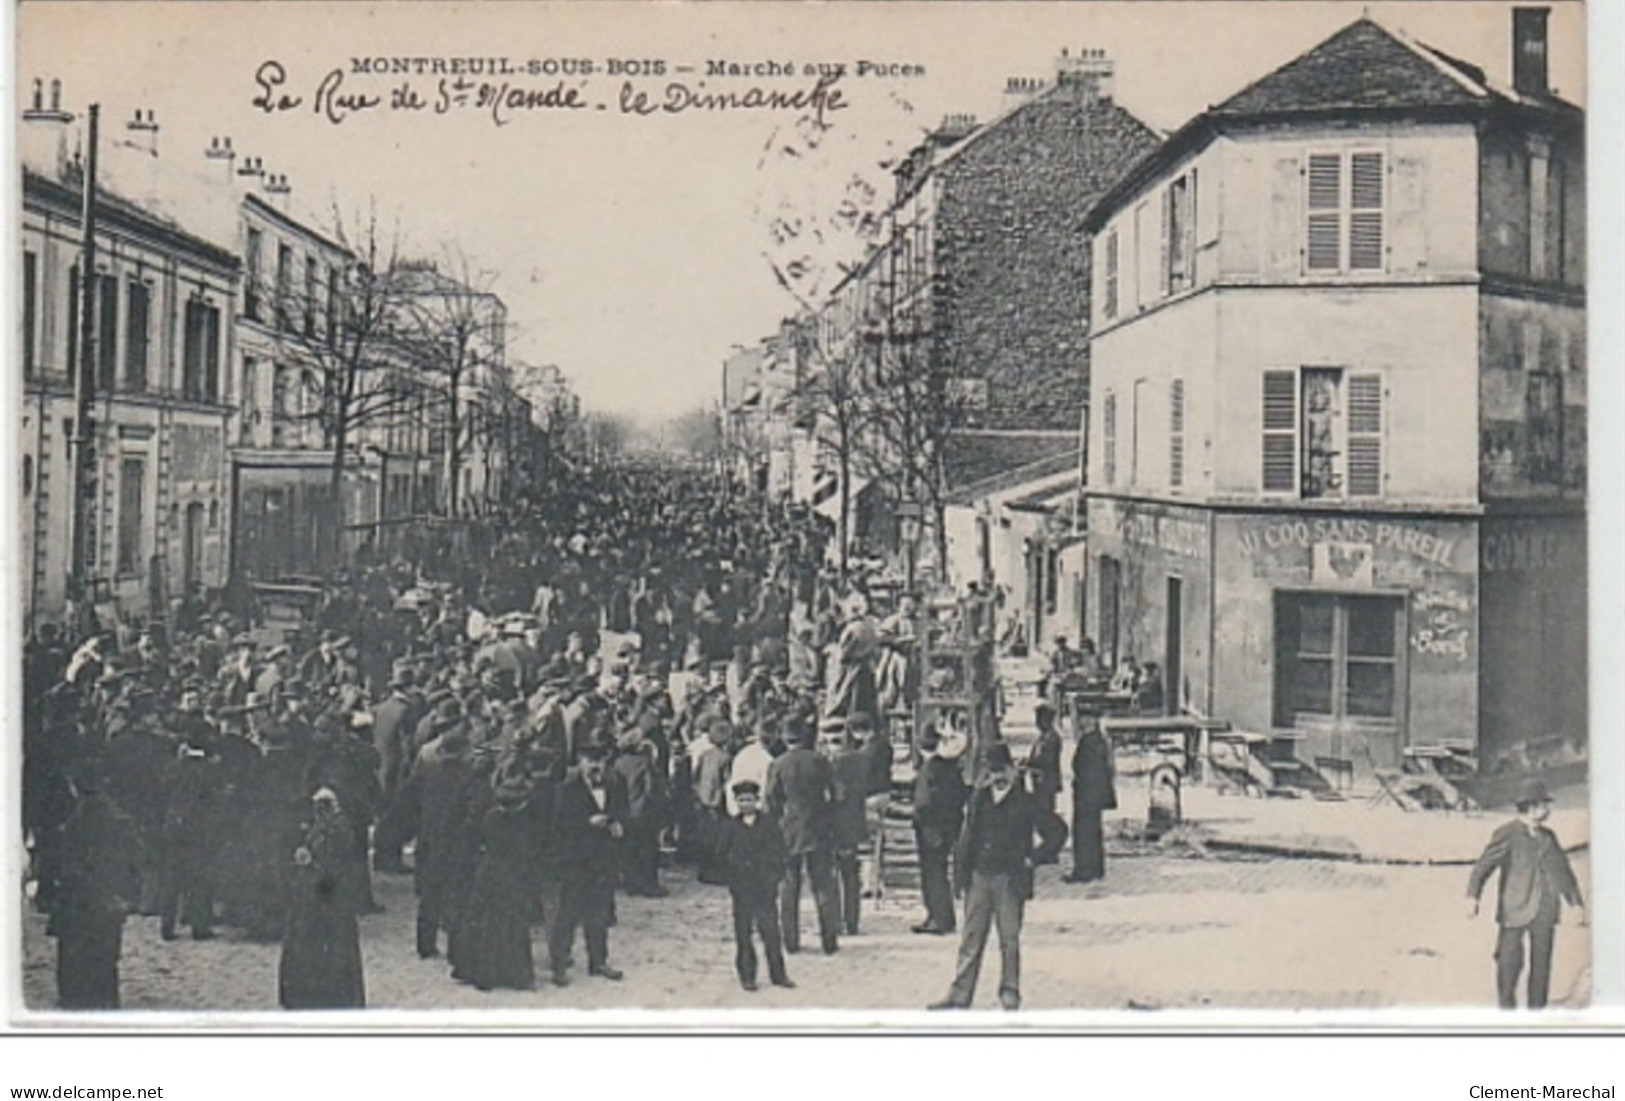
{"x":1019,"y":89}
{"x":222,"y":159}
{"x":277,"y":190}
{"x":1529,"y":74}
{"x":953,"y":128}
{"x":143,"y":131}
{"x":1087,"y":73}
{"x":42,"y":142}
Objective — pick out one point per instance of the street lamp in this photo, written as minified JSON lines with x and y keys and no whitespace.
{"x":908,"y":532}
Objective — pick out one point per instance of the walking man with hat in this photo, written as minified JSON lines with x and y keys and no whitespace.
{"x":994,"y":865}
{"x":1536,"y":880}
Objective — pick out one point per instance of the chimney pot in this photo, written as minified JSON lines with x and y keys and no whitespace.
{"x":39,"y":94}
{"x":56,"y":95}
{"x":1529,"y":60}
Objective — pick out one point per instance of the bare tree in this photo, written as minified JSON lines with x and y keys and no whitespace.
{"x":454,"y":329}
{"x":835,"y":398}
{"x":339,"y":349}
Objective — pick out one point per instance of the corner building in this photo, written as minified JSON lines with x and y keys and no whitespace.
{"x":1336,"y":468}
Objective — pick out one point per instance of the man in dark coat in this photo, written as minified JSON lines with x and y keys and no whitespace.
{"x":589,"y":822}
{"x":939,"y":812}
{"x":437,"y":798}
{"x":1043,"y":768}
{"x":99,"y":883}
{"x":393,"y":722}
{"x":1092,"y":794}
{"x":994,"y":863}
{"x":635,"y":765}
{"x":194,"y":822}
{"x":849,"y":765}
{"x":1536,"y":880}
{"x":754,"y":857}
{"x":800,"y":789}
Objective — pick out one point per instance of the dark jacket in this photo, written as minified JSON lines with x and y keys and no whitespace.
{"x":754,"y":856}
{"x":645,"y":789}
{"x":1092,"y":773}
{"x":800,"y":788}
{"x":939,"y":802}
{"x":393,"y":723}
{"x":848,"y":818}
{"x":1535,"y":875}
{"x":1005,"y":831}
{"x":1043,"y":764}
{"x":877,"y":752}
{"x":585,"y":851}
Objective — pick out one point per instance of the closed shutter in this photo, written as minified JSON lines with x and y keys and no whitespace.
{"x":1366,"y":179}
{"x":1176,"y":433}
{"x":1111,"y":275}
{"x":1280,"y":424}
{"x":1108,"y":419}
{"x":1407,"y":215}
{"x":1323,"y":251}
{"x":1365,"y":436}
{"x":1283,"y":220}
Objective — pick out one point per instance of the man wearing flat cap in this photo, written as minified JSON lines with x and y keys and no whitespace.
{"x":1536,"y":880}
{"x":994,"y":864}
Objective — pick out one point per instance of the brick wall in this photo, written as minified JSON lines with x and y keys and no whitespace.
{"x":1012,"y":266}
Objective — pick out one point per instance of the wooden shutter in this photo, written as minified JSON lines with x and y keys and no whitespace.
{"x":1407,"y":215}
{"x":1365,"y":468}
{"x":1280,"y":432}
{"x":1111,"y":275}
{"x":1176,"y":433}
{"x":1283,"y":220}
{"x":1324,"y":231}
{"x":1366,"y":187}
{"x":1165,"y":267}
{"x":1108,"y":419}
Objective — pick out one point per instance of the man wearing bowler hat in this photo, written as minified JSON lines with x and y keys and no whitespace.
{"x":993,"y":864}
{"x":1536,"y":880}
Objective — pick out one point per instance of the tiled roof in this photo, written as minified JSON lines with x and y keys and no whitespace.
{"x":1362,"y":66}
{"x":973,"y":458}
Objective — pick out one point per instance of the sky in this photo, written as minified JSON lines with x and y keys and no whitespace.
{"x":632,"y":250}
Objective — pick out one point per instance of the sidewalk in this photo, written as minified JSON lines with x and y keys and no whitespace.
{"x":1354,"y":828}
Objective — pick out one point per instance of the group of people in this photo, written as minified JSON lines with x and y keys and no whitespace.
{"x":641,"y":666}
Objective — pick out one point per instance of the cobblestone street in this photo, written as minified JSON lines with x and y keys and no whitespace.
{"x":1164,"y":932}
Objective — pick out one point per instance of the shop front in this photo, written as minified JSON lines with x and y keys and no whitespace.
{"x":1151,"y":594}
{"x":1357,"y":634}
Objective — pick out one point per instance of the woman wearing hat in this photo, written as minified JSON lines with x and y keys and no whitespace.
{"x":493,"y":949}
{"x":321,"y":949}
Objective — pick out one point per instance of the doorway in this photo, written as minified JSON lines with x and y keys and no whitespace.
{"x":1173,"y":669}
{"x":1339,"y":675}
{"x":192,"y":548}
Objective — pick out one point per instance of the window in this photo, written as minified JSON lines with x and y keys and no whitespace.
{"x":73,"y":321}
{"x":106,"y":333}
{"x":332,"y":306}
{"x":137,"y":330}
{"x":1176,"y":433}
{"x":132,"y":498}
{"x":1108,"y":431}
{"x":253,"y":260}
{"x":1111,"y":275}
{"x":1322,"y":433}
{"x":311,"y":293}
{"x":1336,"y":656}
{"x":1179,"y":221}
{"x":284,"y":286}
{"x":200,"y":352}
{"x":1543,"y":404}
{"x":30,"y":312}
{"x":1344,"y":228}
{"x":248,"y":401}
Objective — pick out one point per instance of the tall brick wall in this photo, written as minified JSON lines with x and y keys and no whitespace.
{"x":1012,"y":265}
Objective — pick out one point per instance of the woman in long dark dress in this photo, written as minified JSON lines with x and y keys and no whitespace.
{"x":494,"y":946}
{"x":321,"y":950}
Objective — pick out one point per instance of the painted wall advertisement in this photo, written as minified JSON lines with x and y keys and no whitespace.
{"x":1435,"y":562}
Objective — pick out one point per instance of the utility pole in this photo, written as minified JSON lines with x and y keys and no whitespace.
{"x":84,"y":433}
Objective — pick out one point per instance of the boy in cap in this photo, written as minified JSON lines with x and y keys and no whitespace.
{"x":753,"y":854}
{"x":1536,"y":880}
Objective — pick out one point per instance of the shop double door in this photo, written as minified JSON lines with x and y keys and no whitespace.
{"x":1340,"y":675}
